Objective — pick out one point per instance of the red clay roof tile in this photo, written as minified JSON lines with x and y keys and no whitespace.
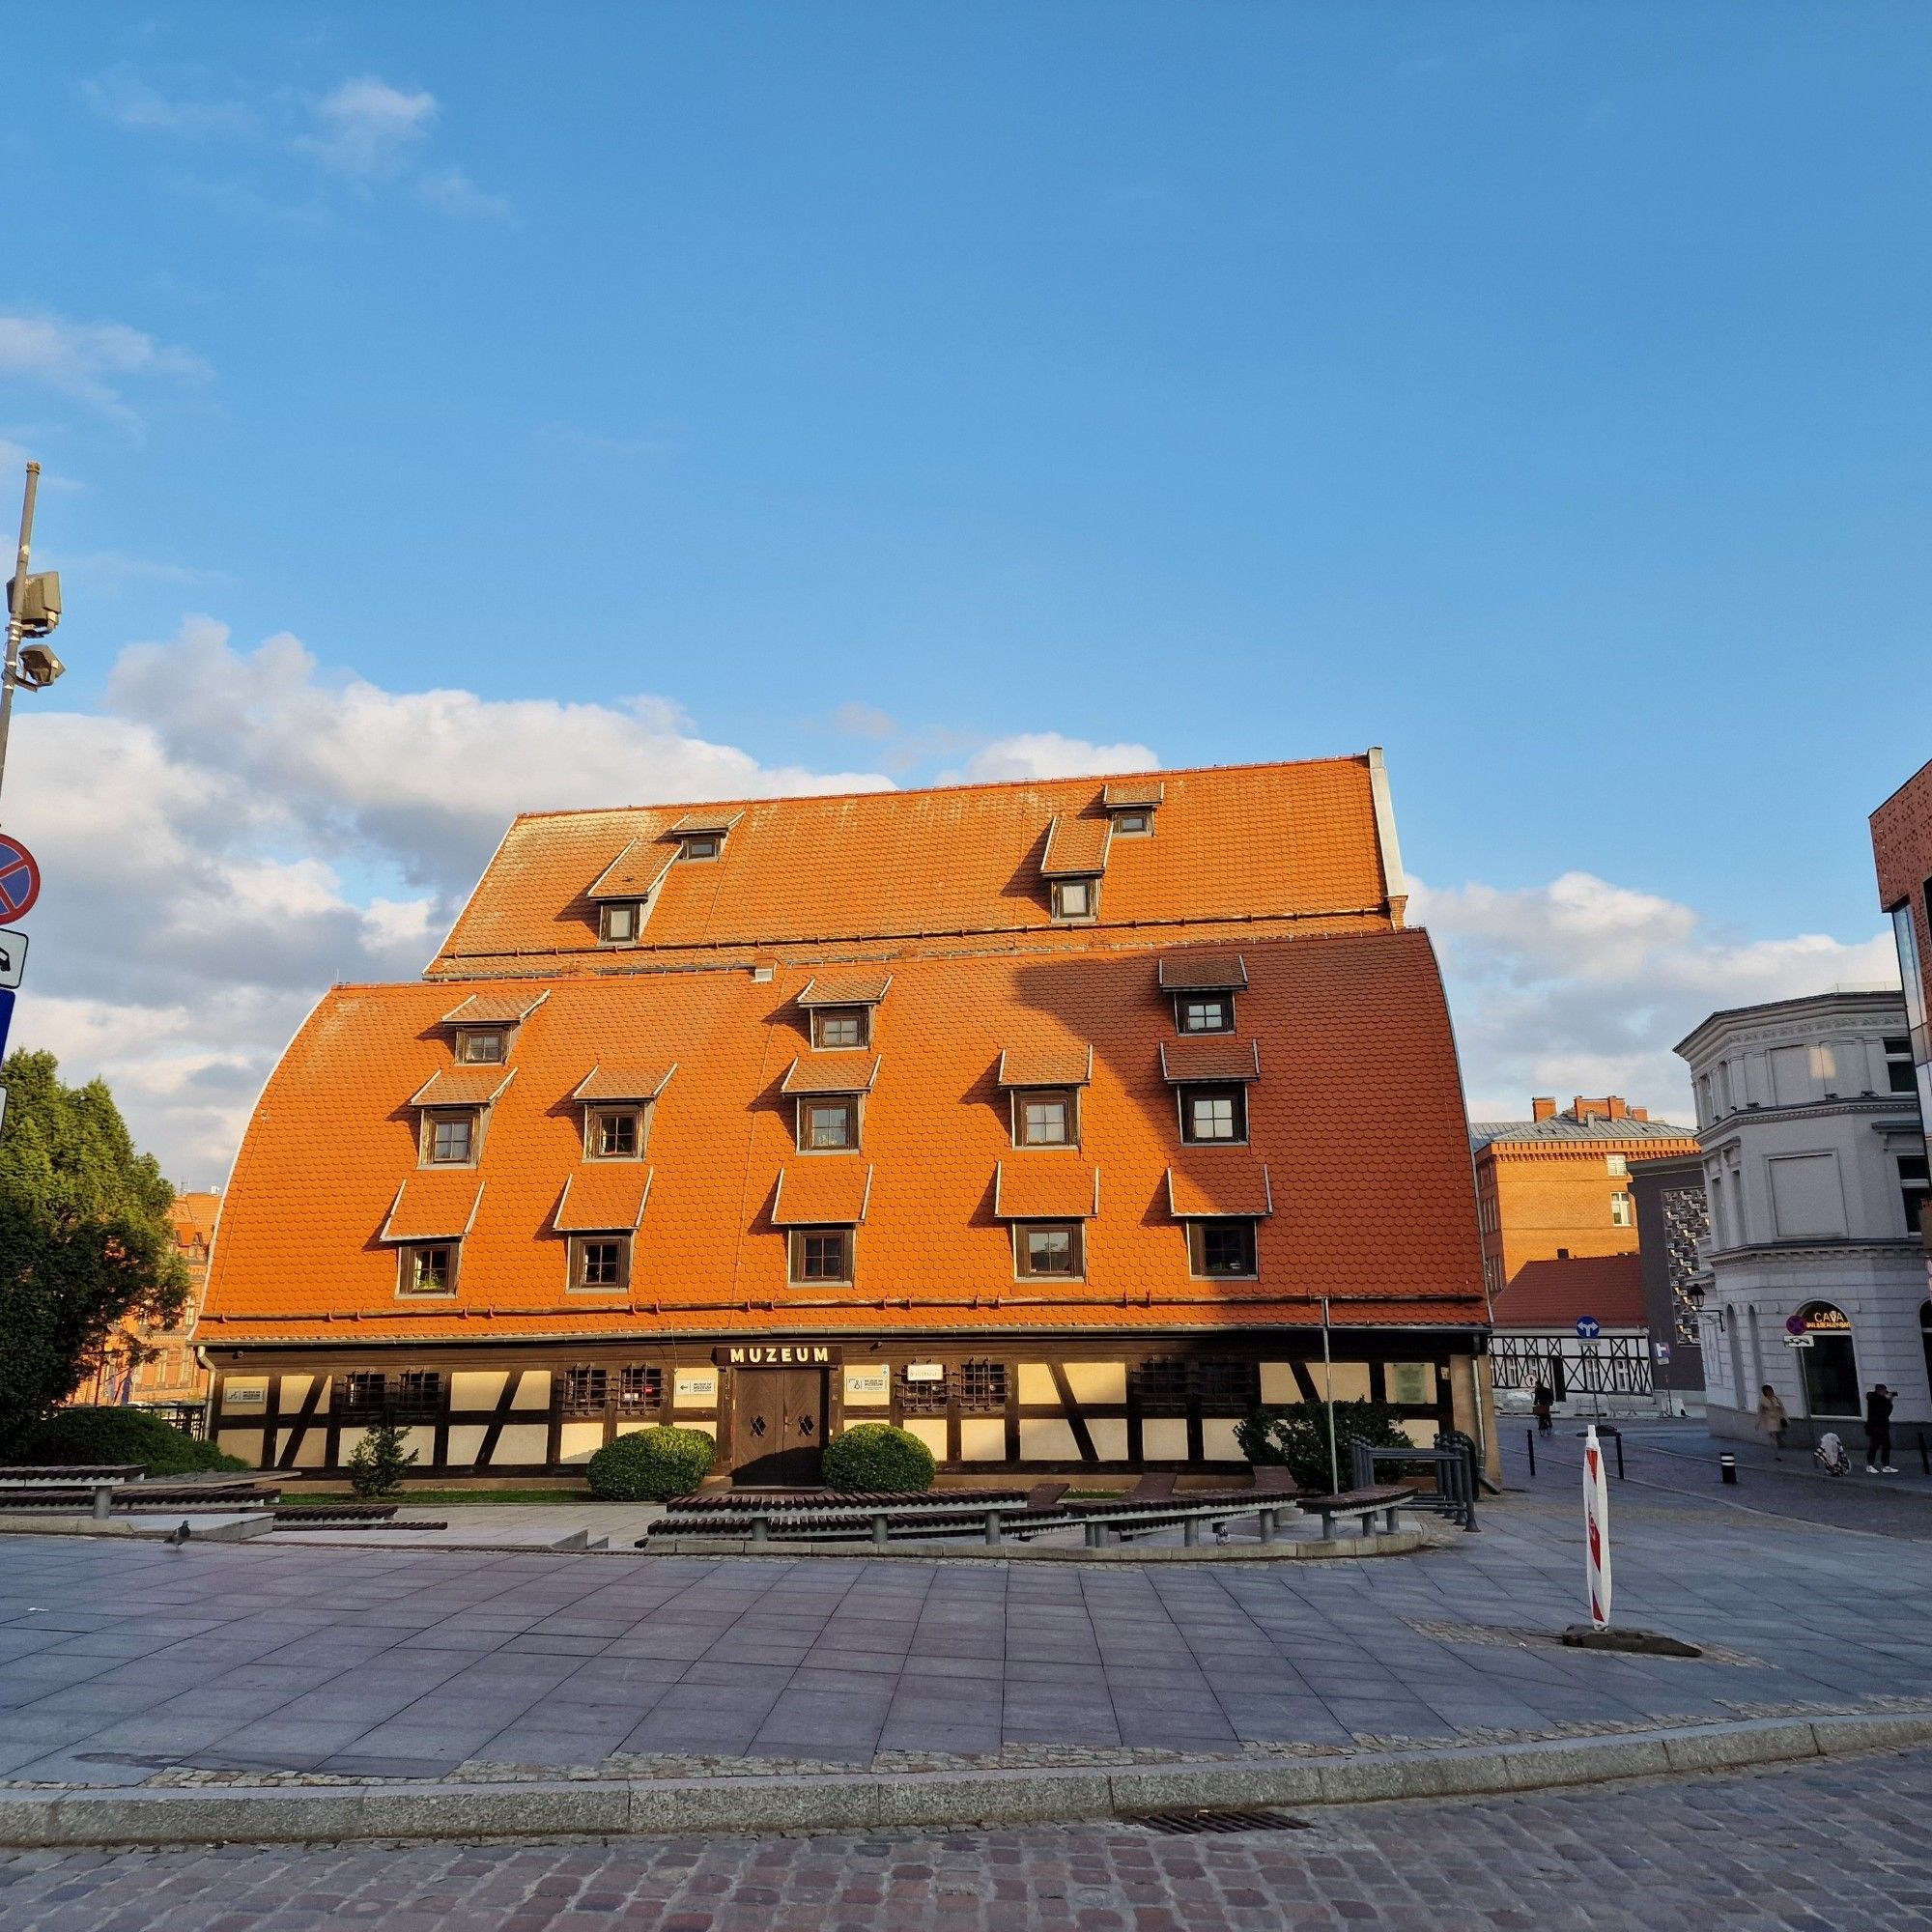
{"x":1076,"y":848}
{"x":1214,"y":1184}
{"x":1047,"y":1063}
{"x":604,"y":1197}
{"x":834,"y":1072}
{"x":431,"y":1208}
{"x":463,"y":1086}
{"x":845,"y":989}
{"x":1209,"y":1057}
{"x":1045,"y":1187}
{"x":1202,"y":969}
{"x":826,"y":1191}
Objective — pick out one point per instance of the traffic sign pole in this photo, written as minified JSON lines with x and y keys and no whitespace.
{"x":15,"y":610}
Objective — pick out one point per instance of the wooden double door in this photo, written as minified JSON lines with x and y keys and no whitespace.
{"x":778,"y":1435}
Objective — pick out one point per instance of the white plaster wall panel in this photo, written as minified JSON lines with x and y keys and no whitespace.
{"x":477,"y":1388}
{"x":520,"y":1442}
{"x":1217,"y":1439}
{"x":983,"y":1439}
{"x":246,"y":1443}
{"x":465,"y":1443}
{"x":931,"y":1431}
{"x":1278,"y":1384}
{"x":247,"y":1394}
{"x":1047,"y":1439}
{"x":533,"y":1389}
{"x":1037,"y":1384}
{"x":1164,"y":1439}
{"x":1806,"y":1196}
{"x":1097,"y":1382}
{"x":1109,"y":1438}
{"x":578,"y":1442}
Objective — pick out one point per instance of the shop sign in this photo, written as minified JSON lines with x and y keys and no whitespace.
{"x":860,"y":1383}
{"x":696,"y":1388}
{"x":777,"y":1356}
{"x":925,"y":1372}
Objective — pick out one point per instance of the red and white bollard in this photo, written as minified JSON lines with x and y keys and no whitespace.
{"x":1597,"y":1530}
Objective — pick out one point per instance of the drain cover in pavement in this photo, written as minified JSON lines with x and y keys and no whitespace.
{"x":1199,"y":1823}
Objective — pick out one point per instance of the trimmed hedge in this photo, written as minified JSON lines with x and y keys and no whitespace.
{"x":116,"y":1435}
{"x":651,"y":1464}
{"x":876,"y":1456}
{"x":1298,"y":1436}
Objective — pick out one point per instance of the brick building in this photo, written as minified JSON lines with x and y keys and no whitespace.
{"x":1040,"y":1117}
{"x":1553,"y":1193}
{"x":173,"y":1376}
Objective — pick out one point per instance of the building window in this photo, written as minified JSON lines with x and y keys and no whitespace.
{"x":821,"y":1254}
{"x":1224,"y":1248}
{"x":1915,"y":1182}
{"x":922,"y":1396}
{"x":417,"y":1396}
{"x":1132,"y":824}
{"x":828,"y":1125}
{"x":1075,"y":898}
{"x":640,"y":1389}
{"x":982,"y":1388}
{"x":584,"y":1392}
{"x":600,"y":1261}
{"x":1226,"y":1388}
{"x":358,"y":1397}
{"x":1623,"y":1210}
{"x":1160,"y":1388}
{"x":449,"y":1140}
{"x":1049,"y":1249}
{"x":1204,"y":1013}
{"x":1615,"y":1163}
{"x":1043,"y":1119}
{"x":481,"y":1046}
{"x":614,"y":1133}
{"x":835,"y":1027}
{"x":1898,"y":1066}
{"x":430,"y":1269}
{"x":702,"y":845}
{"x":1213,"y":1114}
{"x":618,"y":921}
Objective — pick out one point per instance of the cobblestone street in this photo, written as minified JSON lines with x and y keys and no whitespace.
{"x":1839,"y":1848}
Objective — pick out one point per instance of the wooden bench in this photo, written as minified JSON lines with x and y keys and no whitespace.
{"x":1365,"y":1505}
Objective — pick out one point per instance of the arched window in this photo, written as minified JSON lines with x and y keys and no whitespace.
{"x":1830,"y":1363}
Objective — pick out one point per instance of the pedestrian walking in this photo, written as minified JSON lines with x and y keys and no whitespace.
{"x":1540,"y":1402}
{"x":1878,"y":1431}
{"x":1772,"y":1419}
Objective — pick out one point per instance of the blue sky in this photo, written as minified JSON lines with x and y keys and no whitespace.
{"x":1538,"y":391}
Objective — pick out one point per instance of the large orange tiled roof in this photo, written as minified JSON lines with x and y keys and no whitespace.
{"x":1358,"y":1117}
{"x":873,"y":874}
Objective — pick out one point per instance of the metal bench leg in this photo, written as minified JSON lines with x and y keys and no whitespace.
{"x":761,"y":1529}
{"x":1328,"y":1525}
{"x":1190,"y":1532}
{"x":879,"y":1530}
{"x":1096,"y":1536}
{"x":103,"y":1501}
{"x":1267,"y":1520}
{"x":992,"y":1525}
{"x":1388,"y":1519}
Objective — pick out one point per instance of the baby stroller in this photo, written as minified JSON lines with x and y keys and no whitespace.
{"x":1831,"y":1456}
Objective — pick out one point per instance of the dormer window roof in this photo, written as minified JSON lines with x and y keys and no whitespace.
{"x":1069,"y":1065}
{"x":1133,"y":795}
{"x":433,"y":1208}
{"x":634,"y":874}
{"x":1219,"y":1060}
{"x":463,"y":1086}
{"x":603,"y":1200}
{"x":845,"y":989}
{"x":1202,"y":970}
{"x":700,"y":834}
{"x":832,"y":1073}
{"x":494,"y":1009}
{"x":638,"y":1084}
{"x":1076,"y":848}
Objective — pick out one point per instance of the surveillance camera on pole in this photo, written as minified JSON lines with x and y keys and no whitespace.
{"x":33,"y":612}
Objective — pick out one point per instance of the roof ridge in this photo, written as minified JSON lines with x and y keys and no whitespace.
{"x":935,"y":790}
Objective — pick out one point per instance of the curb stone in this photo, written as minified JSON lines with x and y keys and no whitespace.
{"x":71,"y":1819}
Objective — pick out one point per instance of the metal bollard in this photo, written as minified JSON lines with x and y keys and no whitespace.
{"x":879,"y":1530}
{"x":1266,"y":1519}
{"x":1529,"y":1442}
{"x":992,"y":1525}
{"x":761,"y":1529}
{"x":103,"y":1501}
{"x":1620,"y":1455}
{"x":1190,"y":1532}
{"x":1727,"y":1465}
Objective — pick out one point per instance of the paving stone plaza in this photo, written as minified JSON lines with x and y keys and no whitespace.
{"x":151,"y":1670}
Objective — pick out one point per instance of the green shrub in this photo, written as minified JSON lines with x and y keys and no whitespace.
{"x":116,"y":1435}
{"x":651,"y":1464}
{"x":1298,"y":1436}
{"x":876,"y":1456}
{"x":380,"y":1461}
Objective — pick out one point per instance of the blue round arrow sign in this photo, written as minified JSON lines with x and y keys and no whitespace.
{"x":20,"y":880}
{"x":1589,"y":1327}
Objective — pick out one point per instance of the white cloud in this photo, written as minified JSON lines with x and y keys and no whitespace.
{"x":1581,"y":986}
{"x":233,"y":831}
{"x":1048,"y":755}
{"x":368,"y":127}
{"x":451,"y":192}
{"x":127,"y":102}
{"x":88,"y":360}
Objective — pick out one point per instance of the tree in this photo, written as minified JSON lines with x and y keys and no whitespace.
{"x":86,"y":1248}
{"x":381,"y":1462}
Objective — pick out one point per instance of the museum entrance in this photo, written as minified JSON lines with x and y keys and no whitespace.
{"x":777,"y":1437}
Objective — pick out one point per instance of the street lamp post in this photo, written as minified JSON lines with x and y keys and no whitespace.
{"x":33,"y":610}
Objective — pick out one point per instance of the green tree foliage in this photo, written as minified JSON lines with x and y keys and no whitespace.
{"x":116,"y":1435}
{"x":874,"y":1456}
{"x":85,"y":1241}
{"x":380,"y":1461}
{"x":1298,"y":1436}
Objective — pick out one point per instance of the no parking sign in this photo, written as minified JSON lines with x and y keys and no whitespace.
{"x":20,"y":880}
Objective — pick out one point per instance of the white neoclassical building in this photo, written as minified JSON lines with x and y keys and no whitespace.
{"x":1815,"y":1167}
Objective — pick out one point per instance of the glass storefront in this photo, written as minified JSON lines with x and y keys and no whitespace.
{"x":1830,"y":1365}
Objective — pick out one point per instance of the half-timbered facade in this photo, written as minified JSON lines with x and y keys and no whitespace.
{"x":1044,"y":1119}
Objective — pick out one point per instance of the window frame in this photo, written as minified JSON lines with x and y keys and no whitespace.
{"x":981,"y":1386}
{"x":578,"y":1247}
{"x":1220,"y":998}
{"x":606,"y":909}
{"x":1023,"y":1097}
{"x":1077,"y":1237}
{"x":689,"y":843}
{"x":1058,"y":889}
{"x":1197,"y":1232}
{"x":823,"y":1016}
{"x":1191,"y":1091}
{"x":798,"y":1254}
{"x":1623,"y":1208}
{"x":434,"y":1117}
{"x":851,"y":1104}
{"x":468,"y":1038}
{"x":1134,"y":821}
{"x":409,"y":1270}
{"x":595,"y":1113}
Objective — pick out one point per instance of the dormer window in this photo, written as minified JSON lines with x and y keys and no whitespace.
{"x":428,"y":1269}
{"x":1136,"y":824}
{"x":481,"y":1046}
{"x":842,"y":1027}
{"x":619,"y":1102}
{"x":1204,"y":1013}
{"x":619,"y":922}
{"x":702,"y":835}
{"x":1131,"y":805}
{"x":449,"y":1136}
{"x":702,"y":845}
{"x":828,"y":1124}
{"x":829,"y":1090}
{"x":1075,"y":899}
{"x":612,"y":1133}
{"x":1043,"y":1116}
{"x":1213,"y":1114}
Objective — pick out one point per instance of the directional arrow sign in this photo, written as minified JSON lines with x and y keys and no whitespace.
{"x":1589,"y":1327}
{"x":12,"y":957}
{"x":20,"y":880}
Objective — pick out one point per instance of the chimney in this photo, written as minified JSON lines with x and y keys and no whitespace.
{"x":1542,"y":1108}
{"x":1615,"y":1103}
{"x":1562,"y":1254}
{"x":1640,"y":1113}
